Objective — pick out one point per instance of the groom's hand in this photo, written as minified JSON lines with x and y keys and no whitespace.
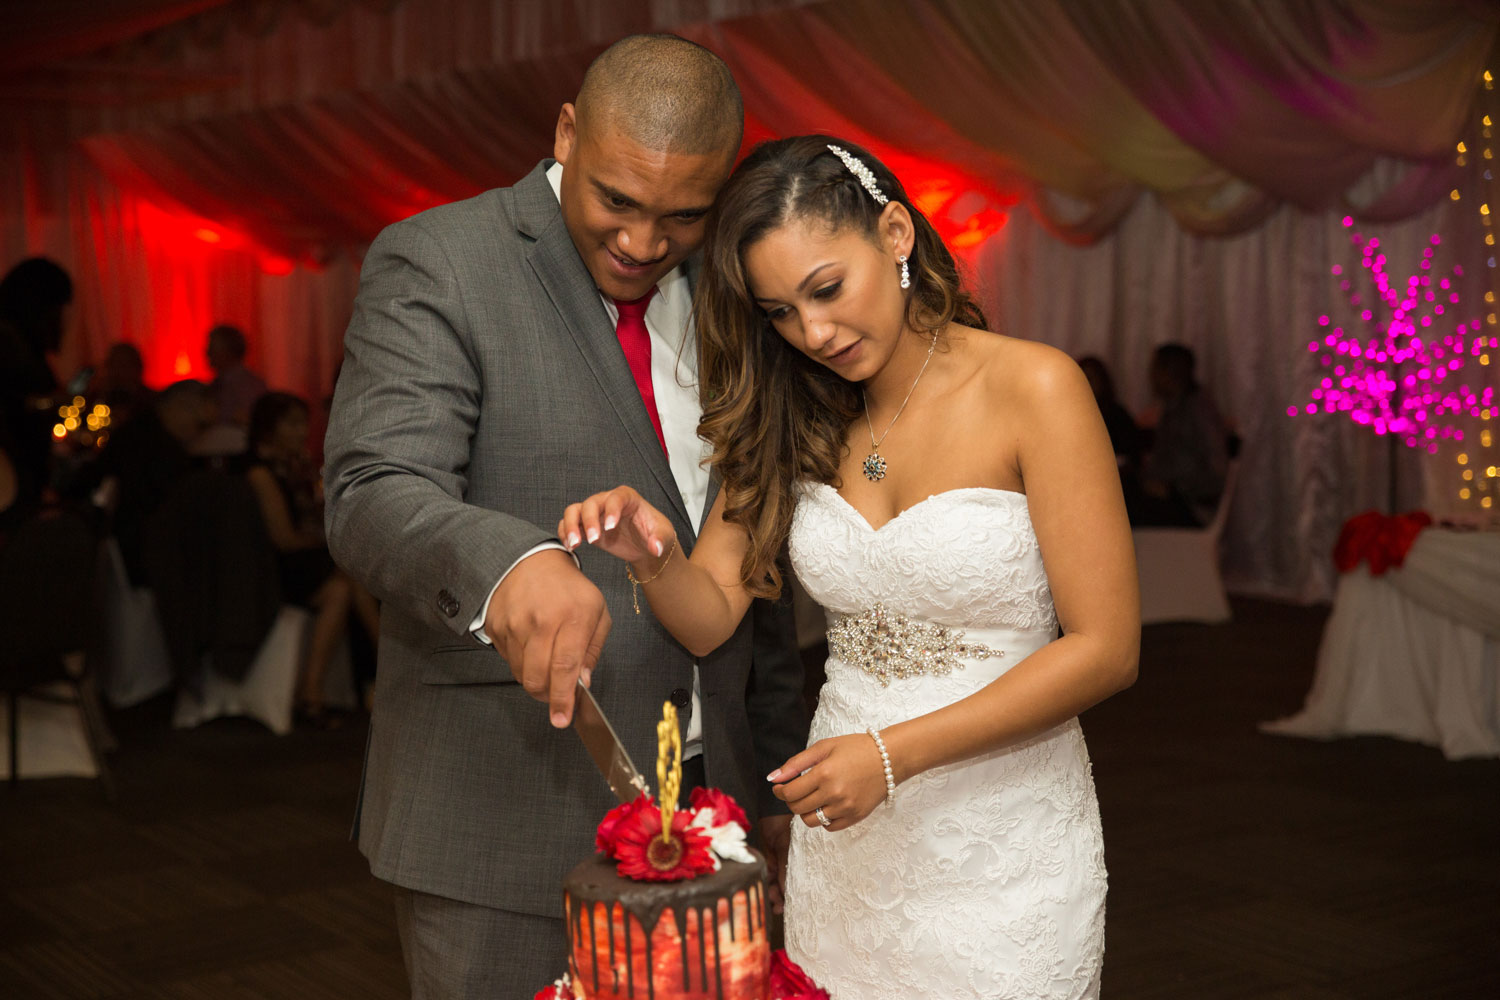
{"x":775,"y":840}
{"x":549,"y":621}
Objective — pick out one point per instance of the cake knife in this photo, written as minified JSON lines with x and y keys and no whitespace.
{"x":605,"y":748}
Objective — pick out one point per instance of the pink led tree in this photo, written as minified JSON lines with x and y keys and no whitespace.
{"x":1398,"y":373}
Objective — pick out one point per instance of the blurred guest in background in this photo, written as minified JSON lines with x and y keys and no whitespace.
{"x":143,"y":460}
{"x":33,"y":295}
{"x":8,"y":485}
{"x":235,"y":387}
{"x":119,"y":383}
{"x":1124,"y":435}
{"x":286,"y":484}
{"x":1182,"y":472}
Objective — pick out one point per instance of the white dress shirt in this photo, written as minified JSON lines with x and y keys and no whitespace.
{"x":674,"y":380}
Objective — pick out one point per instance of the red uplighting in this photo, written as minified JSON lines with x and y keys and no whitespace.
{"x":964,"y":210}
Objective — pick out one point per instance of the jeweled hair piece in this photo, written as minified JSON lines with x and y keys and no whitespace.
{"x":863,"y":173}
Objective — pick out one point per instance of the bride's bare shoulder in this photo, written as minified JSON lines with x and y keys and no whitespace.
{"x":1024,"y":372}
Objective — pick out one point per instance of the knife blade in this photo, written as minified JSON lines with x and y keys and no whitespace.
{"x":605,"y":748}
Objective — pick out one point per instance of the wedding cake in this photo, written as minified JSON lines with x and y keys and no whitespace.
{"x":673,"y":905}
{"x":700,"y":935}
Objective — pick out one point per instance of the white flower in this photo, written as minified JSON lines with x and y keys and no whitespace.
{"x":726,"y":842}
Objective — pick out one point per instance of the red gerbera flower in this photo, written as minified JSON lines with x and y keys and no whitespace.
{"x":645,"y":857}
{"x":726,"y":810}
{"x":604,"y":839}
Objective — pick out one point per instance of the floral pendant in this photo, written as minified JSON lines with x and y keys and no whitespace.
{"x":874,"y":467}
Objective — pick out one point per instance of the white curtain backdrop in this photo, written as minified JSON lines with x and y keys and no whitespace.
{"x":1248,"y":305}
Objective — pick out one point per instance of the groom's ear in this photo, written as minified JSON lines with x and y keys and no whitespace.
{"x":896,"y":229}
{"x":567,"y":134}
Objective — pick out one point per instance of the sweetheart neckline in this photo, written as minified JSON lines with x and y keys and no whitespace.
{"x":906,"y":510}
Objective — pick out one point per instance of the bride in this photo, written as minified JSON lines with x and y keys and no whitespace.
{"x":949,"y":496}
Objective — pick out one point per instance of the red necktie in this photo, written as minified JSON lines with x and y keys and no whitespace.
{"x":635,"y":341}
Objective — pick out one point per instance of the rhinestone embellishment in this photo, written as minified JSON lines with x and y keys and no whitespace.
{"x":886,"y":645}
{"x":874,"y":467}
{"x":862,"y":173}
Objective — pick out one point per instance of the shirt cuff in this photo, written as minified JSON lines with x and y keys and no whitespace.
{"x":476,"y":627}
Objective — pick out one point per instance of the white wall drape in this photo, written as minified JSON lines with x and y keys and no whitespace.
{"x":1247,"y":305}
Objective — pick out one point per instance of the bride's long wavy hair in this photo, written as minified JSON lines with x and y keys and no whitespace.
{"x":771,"y":414}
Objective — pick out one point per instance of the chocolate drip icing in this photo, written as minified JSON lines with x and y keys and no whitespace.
{"x":719,"y":962}
{"x":629,"y":965}
{"x":596,"y":881}
{"x":702,"y":954}
{"x":680,"y":917}
{"x":614,"y":969}
{"x":593,"y":945}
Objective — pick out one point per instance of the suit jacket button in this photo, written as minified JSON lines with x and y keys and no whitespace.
{"x":682,"y":698}
{"x":447,"y":603}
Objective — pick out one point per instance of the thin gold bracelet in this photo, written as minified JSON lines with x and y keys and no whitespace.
{"x":635,"y":585}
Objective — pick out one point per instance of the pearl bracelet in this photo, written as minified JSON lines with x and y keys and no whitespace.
{"x":885,"y":760}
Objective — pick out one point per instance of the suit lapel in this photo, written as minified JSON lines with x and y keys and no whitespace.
{"x":691,"y":268}
{"x":555,"y":262}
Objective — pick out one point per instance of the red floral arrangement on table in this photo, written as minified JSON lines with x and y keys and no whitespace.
{"x":1381,"y":540}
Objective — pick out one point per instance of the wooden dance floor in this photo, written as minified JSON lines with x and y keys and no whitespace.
{"x":1241,"y":865}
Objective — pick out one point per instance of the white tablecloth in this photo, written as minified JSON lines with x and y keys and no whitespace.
{"x":1414,"y":653}
{"x":53,"y":744}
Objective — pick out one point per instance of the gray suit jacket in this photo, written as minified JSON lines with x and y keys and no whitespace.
{"x":483,"y":389}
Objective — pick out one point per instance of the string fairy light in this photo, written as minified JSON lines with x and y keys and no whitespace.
{"x":1481,"y":485}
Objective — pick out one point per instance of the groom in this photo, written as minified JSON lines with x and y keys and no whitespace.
{"x":508,"y":355}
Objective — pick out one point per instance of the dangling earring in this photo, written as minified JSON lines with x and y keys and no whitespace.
{"x":905,"y":273}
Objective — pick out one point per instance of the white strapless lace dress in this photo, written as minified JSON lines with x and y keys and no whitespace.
{"x":985,"y":879}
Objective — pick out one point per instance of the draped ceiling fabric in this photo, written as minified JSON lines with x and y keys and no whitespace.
{"x":1182,"y":167}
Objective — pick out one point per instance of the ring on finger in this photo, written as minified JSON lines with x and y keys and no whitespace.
{"x":822,"y":817}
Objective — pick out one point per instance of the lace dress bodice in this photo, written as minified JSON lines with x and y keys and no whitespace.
{"x":982,"y":879}
{"x":966,"y":557}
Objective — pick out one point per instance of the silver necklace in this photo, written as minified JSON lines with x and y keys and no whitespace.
{"x":875,"y":464}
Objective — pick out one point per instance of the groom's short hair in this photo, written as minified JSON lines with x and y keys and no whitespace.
{"x":664,"y":92}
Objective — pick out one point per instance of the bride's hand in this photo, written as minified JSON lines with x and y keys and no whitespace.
{"x":620,"y":523}
{"x":843,"y":775}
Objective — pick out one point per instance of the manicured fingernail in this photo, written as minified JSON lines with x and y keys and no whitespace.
{"x":774,"y":775}
{"x":559,"y":720}
{"x":610,"y":522}
{"x":593,"y":534}
{"x":573,"y":539}
{"x":587,"y":677}
{"x":658,"y":547}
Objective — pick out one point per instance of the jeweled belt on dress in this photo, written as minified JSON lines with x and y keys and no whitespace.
{"x":888,"y":645}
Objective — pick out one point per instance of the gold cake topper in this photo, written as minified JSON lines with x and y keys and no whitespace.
{"x":668,"y":766}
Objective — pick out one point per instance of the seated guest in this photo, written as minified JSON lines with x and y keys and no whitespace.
{"x":33,"y":296}
{"x":1182,"y":472}
{"x":280,"y":471}
{"x":235,"y":388}
{"x":119,"y":384}
{"x":1124,"y":435}
{"x":143,"y":460}
{"x":9,"y":486}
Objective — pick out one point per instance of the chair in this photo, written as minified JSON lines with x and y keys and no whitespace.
{"x":1179,"y":567}
{"x":139,"y":666}
{"x":266,"y":691}
{"x":48,"y":574}
{"x":236,"y":647}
